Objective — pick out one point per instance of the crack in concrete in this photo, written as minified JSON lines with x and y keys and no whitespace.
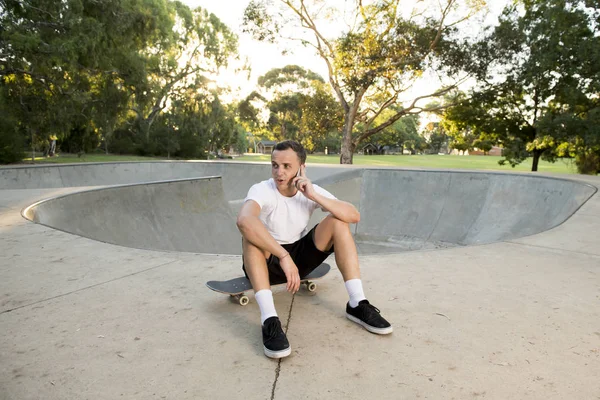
{"x":557,"y":249}
{"x":88,"y":287}
{"x":278,"y":369}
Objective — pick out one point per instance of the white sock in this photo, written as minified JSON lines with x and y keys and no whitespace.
{"x":355,"y":291}
{"x":264,"y":298}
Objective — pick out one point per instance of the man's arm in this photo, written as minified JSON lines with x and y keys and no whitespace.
{"x":253,"y":230}
{"x":340,"y":209}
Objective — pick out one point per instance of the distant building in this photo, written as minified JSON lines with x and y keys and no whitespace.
{"x":495,"y":151}
{"x":369,"y":149}
{"x":265,"y":146}
{"x":392,"y":150}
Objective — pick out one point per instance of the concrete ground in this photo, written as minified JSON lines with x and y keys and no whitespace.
{"x":513,"y":319}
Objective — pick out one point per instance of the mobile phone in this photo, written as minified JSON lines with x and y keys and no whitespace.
{"x":297,"y":175}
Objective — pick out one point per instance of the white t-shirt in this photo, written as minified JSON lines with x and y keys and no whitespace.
{"x":286,"y":218}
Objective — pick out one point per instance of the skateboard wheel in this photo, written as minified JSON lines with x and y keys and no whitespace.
{"x":311,"y":286}
{"x":241,"y":299}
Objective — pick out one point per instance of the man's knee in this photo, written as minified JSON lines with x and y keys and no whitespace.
{"x":337,"y":225}
{"x":329,"y":230}
{"x":250,"y":252}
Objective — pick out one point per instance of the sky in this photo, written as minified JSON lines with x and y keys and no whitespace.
{"x":263,"y":57}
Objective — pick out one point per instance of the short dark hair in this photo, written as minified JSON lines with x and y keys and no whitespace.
{"x":292,"y":144}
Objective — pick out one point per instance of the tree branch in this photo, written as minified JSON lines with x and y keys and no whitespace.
{"x":39,"y":9}
{"x":438,"y":35}
{"x":385,"y":105}
{"x":321,"y":41}
{"x":412,"y":109}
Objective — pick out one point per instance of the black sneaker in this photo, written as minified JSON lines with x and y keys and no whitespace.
{"x":275,"y":342}
{"x":369,"y":317}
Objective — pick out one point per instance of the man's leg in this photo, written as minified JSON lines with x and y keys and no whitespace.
{"x":255,"y":263}
{"x":275,"y":342}
{"x":332,"y":231}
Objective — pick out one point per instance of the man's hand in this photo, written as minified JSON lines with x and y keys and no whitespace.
{"x":291,"y":273}
{"x":304,"y":185}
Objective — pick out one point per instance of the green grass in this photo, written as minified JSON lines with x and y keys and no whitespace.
{"x":64,"y":158}
{"x":430,"y":161}
{"x":562,"y":166}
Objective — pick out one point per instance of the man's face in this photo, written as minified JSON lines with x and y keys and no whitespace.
{"x":285,"y":164}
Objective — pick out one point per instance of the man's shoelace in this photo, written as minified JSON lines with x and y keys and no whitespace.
{"x":370,"y":309}
{"x":273,"y":330}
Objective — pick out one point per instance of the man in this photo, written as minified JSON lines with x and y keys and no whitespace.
{"x":276,"y":247}
{"x":52,"y":149}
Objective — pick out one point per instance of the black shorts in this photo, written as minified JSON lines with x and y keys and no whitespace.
{"x":305,"y":254}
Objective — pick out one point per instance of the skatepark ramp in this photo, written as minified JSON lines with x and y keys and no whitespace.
{"x":404,"y":210}
{"x":189,"y":215}
{"x":400,"y":210}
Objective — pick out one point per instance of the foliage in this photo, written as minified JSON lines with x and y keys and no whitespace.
{"x":11,"y":142}
{"x":381,"y":54}
{"x":539,"y":93}
{"x":401,"y":134}
{"x":437,"y":137}
{"x":95,"y":77}
{"x":299,"y":107}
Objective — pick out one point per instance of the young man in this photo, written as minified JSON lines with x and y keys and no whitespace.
{"x":276,"y":247}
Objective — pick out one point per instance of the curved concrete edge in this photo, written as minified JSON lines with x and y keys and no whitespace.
{"x":112,"y":173}
{"x":402,"y":210}
{"x":179,"y":215}
{"x":465,"y":208}
{"x":28,"y":211}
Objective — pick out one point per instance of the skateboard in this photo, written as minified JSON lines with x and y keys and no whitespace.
{"x":237,"y":287}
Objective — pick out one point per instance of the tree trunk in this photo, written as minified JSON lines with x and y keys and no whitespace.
{"x":32,"y":147}
{"x":536,"y":159}
{"x":347,"y":150}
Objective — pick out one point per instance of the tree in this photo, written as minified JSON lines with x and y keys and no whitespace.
{"x":376,"y":59}
{"x":53,"y":53}
{"x":11,"y":142}
{"x":193,"y":46}
{"x":437,"y":137}
{"x":464,"y":121}
{"x":583,"y":132}
{"x":299,"y":104}
{"x":73,"y":69}
{"x":280,"y":91}
{"x":321,"y":118}
{"x":403,"y":133}
{"x":196,"y":125}
{"x":546,"y":66}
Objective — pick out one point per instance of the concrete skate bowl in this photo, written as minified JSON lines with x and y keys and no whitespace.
{"x":401,"y":210}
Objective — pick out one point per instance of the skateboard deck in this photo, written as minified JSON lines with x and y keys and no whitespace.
{"x":237,"y":287}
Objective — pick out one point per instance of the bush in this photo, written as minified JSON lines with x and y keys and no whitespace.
{"x":588,"y":163}
{"x":122,"y":145}
{"x":191,"y":147}
{"x":12,"y":145}
{"x":80,"y":139}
